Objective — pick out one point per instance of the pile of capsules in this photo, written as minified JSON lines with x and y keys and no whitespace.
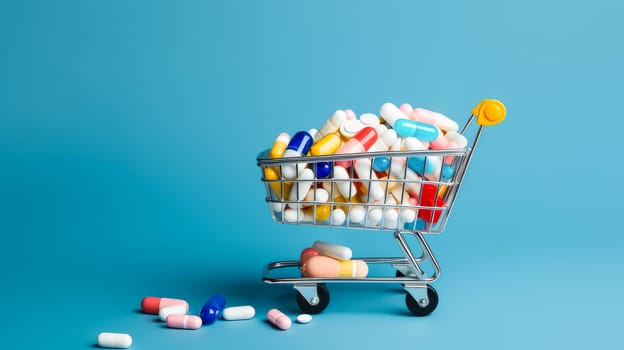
{"x":328,"y":260}
{"x":174,"y":313}
{"x":296,"y":186}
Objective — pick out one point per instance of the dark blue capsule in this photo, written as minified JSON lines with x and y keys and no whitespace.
{"x":212,"y":309}
{"x":322,"y":169}
{"x":301,"y":142}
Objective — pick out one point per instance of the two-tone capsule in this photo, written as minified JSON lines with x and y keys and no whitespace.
{"x":298,"y":146}
{"x":152,"y":305}
{"x":184,"y":321}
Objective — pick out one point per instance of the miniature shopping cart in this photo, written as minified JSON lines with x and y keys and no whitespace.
{"x":435,"y":187}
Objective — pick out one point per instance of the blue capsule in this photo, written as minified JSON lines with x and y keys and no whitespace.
{"x":417,"y":225}
{"x":301,"y":142}
{"x":419,"y":165}
{"x":381,"y":163}
{"x":322,"y":169}
{"x":212,"y":309}
{"x":421,"y":131}
{"x":447,"y":172}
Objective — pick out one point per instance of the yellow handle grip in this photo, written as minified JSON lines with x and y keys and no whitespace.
{"x":489,"y":112}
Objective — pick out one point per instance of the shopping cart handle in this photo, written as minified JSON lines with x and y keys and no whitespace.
{"x":489,"y":112}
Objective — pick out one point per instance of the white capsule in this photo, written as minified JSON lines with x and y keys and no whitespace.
{"x":304,"y":318}
{"x":331,"y":125}
{"x":343,"y":182}
{"x":114,"y":340}
{"x":381,"y":128}
{"x":391,"y":219}
{"x":178,"y":309}
{"x":301,"y":187}
{"x":277,"y":206}
{"x":333,"y":250}
{"x":357,"y":214}
{"x":412,"y":144}
{"x":374,"y":217}
{"x":400,"y":171}
{"x":408,"y":215}
{"x":391,"y":113}
{"x":338,"y":217}
{"x":320,"y":195}
{"x":389,"y":137}
{"x":235,"y":313}
{"x":293,"y":215}
{"x":434,"y":163}
{"x":456,"y":140}
{"x":364,"y":172}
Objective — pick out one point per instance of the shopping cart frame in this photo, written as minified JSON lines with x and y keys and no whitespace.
{"x":415,"y":272}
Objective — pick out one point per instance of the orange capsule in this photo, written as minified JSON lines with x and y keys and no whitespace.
{"x":324,"y":266}
{"x":184,"y":321}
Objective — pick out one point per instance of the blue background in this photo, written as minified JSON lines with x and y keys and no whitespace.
{"x":128,"y":136}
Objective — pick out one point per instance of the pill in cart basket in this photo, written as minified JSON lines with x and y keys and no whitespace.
{"x":400,"y":171}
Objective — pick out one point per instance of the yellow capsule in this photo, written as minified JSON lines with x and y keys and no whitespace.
{"x":271,"y":173}
{"x":442,"y":191}
{"x":327,"y":145}
{"x":279,"y":146}
{"x":322,"y":212}
{"x":389,"y":184}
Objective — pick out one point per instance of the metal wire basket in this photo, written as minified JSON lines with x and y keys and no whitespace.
{"x":355,"y":196}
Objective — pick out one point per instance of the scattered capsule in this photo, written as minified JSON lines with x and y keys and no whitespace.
{"x":235,"y":313}
{"x":212,"y":309}
{"x":184,"y":321}
{"x":152,"y":305}
{"x":179,"y":309}
{"x":114,"y":340}
{"x":278,"y":319}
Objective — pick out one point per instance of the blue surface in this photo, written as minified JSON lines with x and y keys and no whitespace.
{"x":128,"y":136}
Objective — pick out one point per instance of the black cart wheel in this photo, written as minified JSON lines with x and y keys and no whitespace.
{"x":323,"y":295}
{"x":418,"y":310}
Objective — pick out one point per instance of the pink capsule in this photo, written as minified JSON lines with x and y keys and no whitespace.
{"x":360,"y":143}
{"x":184,"y":321}
{"x":278,"y":319}
{"x":350,"y":114}
{"x":441,"y":142}
{"x":430,"y":117}
{"x":406,"y":108}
